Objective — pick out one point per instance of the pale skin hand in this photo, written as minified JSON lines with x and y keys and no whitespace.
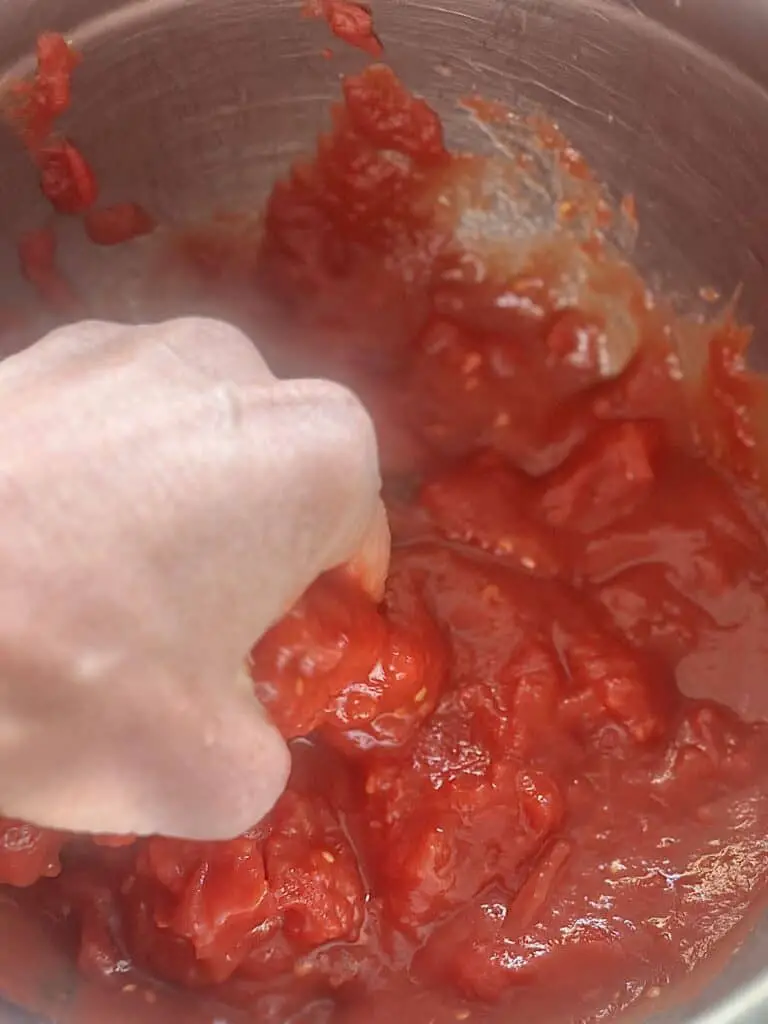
{"x":164,"y":499}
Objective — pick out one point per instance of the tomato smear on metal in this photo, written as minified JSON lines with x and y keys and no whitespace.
{"x":503,"y":804}
{"x":33,"y":106}
{"x":66,"y":178}
{"x":37,"y":260}
{"x":114,"y":225}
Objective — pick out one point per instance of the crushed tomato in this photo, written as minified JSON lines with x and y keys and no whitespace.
{"x":503,"y":805}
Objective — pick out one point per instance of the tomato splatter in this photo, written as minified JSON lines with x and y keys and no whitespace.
{"x":353,"y":23}
{"x":66,"y":178}
{"x":349,"y":21}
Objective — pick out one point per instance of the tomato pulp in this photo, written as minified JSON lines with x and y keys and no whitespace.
{"x":503,"y":804}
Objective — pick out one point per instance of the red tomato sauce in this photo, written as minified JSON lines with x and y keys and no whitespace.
{"x":503,"y":805}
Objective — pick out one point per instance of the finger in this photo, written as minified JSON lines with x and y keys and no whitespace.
{"x":370,"y":565}
{"x":67,"y":346}
{"x":309,"y":484}
{"x":188,"y":769}
{"x":217,"y":349}
{"x":213,"y":349}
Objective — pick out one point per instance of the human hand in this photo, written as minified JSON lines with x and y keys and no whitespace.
{"x":164,"y":500}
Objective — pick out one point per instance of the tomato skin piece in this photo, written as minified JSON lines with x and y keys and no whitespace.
{"x":66,"y":178}
{"x":114,"y":225}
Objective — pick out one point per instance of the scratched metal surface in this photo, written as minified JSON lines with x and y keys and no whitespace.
{"x":190,"y":104}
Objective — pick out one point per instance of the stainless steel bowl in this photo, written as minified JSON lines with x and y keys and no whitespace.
{"x":191,"y":104}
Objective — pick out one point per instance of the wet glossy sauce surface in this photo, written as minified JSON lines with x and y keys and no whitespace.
{"x":502,"y":803}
